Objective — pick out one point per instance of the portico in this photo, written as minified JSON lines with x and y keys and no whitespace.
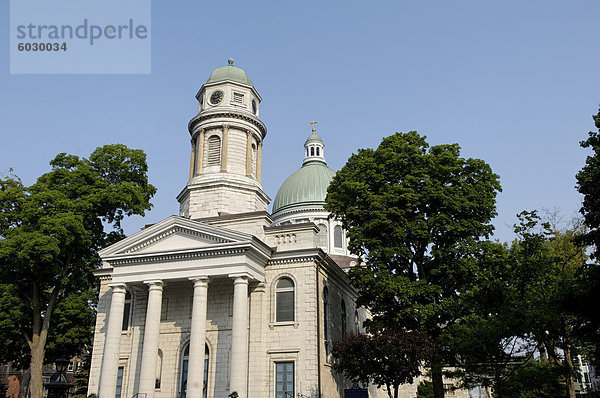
{"x":239,"y":259}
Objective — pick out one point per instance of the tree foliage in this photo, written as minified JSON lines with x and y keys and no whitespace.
{"x":532,"y":285}
{"x":416,"y":214}
{"x":387,"y":358}
{"x":532,"y":380}
{"x":588,"y":184}
{"x":50,"y":233}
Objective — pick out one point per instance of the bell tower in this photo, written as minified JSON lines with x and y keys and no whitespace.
{"x":226,"y":148}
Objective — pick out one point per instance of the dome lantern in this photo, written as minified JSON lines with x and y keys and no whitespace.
{"x":314,"y":146}
{"x":307,"y":187}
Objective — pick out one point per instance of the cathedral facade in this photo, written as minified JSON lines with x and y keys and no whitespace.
{"x":227,"y":297}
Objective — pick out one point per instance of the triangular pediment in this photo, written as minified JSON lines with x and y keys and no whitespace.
{"x":174,"y":234}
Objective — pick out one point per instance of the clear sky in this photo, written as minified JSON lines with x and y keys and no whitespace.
{"x":513,"y":82}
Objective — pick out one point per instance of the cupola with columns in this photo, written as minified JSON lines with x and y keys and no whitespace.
{"x":226,"y":148}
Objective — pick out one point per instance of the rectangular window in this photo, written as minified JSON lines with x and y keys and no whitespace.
{"x":126,"y":312}
{"x":164,"y":309}
{"x":238,"y":98}
{"x":284,"y":379}
{"x":119,"y":381}
{"x":285,"y":306}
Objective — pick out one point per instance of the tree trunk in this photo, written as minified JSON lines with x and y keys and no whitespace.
{"x":37,"y":367}
{"x":37,"y":342}
{"x":543,"y":355}
{"x":569,"y":371}
{"x":24,"y":387}
{"x":436,"y":378}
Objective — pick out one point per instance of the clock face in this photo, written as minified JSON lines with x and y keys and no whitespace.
{"x":254,"y":107}
{"x":216,"y":97}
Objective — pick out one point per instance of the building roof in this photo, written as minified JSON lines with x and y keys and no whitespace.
{"x":313,"y":137}
{"x":306,"y":188}
{"x":229,"y":73}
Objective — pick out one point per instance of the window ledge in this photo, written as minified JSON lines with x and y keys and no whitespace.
{"x":287,"y":323}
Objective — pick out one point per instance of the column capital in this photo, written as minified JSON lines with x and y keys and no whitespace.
{"x":241,"y":277}
{"x":226,"y":126}
{"x":154,"y":284}
{"x":199,"y":280}
{"x":118,"y":287}
{"x":260,"y":287}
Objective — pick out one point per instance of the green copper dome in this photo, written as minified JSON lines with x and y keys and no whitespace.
{"x":313,"y":137}
{"x":306,"y":188}
{"x":229,"y":73}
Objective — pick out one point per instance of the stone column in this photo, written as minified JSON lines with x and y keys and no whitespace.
{"x":151,"y":333}
{"x":197,"y":338}
{"x":259,"y":161}
{"x":224,"y":149}
{"x":112,"y":342}
{"x":193,"y":159}
{"x":249,"y":153}
{"x":200,"y":151}
{"x":239,"y":336}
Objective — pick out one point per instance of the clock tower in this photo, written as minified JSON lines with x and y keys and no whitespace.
{"x":226,"y":148}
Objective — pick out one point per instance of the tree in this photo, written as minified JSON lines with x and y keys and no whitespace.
{"x":548,"y":265}
{"x":387,"y":358}
{"x":532,"y":380}
{"x":588,"y":184}
{"x":415,"y":213}
{"x":50,"y":233}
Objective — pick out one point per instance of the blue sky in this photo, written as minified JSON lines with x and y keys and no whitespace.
{"x":514,"y":83}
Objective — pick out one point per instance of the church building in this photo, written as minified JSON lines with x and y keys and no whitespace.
{"x":227,"y":297}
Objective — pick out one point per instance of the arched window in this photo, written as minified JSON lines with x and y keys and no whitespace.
{"x":284,"y":300}
{"x":322,"y":236}
{"x":344,"y":318}
{"x":318,"y":151}
{"x":214,"y":151}
{"x":337,"y":236}
{"x":185,"y":356}
{"x":312,"y":151}
{"x":126,"y":311}
{"x":356,"y":322}
{"x":253,"y":160}
{"x":326,"y":319}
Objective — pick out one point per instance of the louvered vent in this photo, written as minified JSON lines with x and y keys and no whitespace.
{"x":238,"y":98}
{"x":214,"y":151}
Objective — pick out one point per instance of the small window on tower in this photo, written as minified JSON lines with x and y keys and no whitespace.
{"x":238,"y":98}
{"x":318,"y":151}
{"x":312,"y":151}
{"x":214,"y":151}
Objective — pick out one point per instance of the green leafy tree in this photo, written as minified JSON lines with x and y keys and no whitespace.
{"x":532,"y":380}
{"x":547,"y":266}
{"x":50,"y":233}
{"x":387,"y":358}
{"x":415,"y":213}
{"x":425,"y":389}
{"x":487,"y":339}
{"x":588,"y":184}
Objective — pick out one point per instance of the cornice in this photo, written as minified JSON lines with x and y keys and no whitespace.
{"x":162,"y":258}
{"x":201,"y":117}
